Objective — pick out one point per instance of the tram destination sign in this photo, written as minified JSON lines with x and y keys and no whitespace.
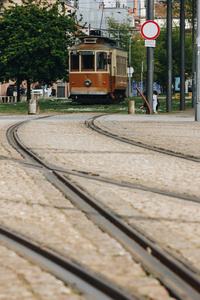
{"x":86,"y":52}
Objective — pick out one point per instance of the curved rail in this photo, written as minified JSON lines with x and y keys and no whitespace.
{"x":66,"y":270}
{"x":123,"y":184}
{"x":91,"y":124}
{"x":179,"y":280}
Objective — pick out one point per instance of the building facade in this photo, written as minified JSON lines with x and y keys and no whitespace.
{"x":94,"y":13}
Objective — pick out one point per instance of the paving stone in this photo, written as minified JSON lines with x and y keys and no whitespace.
{"x":30,"y":204}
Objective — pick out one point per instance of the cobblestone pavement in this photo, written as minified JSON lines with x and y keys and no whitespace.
{"x":20,"y":279}
{"x":30,"y":204}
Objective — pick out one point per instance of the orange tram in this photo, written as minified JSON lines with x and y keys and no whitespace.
{"x":97,"y":71}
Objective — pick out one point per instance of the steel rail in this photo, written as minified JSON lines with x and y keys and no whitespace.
{"x":179,"y":280}
{"x":151,"y":256}
{"x":73,"y":274}
{"x":90,"y":124}
{"x":34,"y":159}
{"x":87,"y":283}
{"x":122,"y":184}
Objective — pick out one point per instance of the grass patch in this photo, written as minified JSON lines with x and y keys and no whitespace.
{"x":67,"y":106}
{"x":162,"y":109}
{"x":14,"y":108}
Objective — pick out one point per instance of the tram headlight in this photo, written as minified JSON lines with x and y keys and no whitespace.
{"x":87,"y":82}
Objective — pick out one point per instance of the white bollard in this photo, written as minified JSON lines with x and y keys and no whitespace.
{"x":32,"y":107}
{"x":131,"y":107}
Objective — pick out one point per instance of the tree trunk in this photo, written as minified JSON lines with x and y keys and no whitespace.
{"x":28,"y":89}
{"x":18,"y":90}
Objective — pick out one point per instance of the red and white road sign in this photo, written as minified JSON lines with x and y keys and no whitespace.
{"x":150,"y":30}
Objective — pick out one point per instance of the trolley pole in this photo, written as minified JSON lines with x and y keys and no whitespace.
{"x":150,"y":53}
{"x":197,"y":107}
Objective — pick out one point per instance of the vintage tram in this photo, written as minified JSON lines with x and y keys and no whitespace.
{"x":97,"y":71}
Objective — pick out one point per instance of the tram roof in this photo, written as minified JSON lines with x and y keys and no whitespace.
{"x":96,"y":41}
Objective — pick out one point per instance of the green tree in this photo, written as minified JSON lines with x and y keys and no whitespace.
{"x":160,"y":55}
{"x":187,"y":6}
{"x":138,"y":50}
{"x":34,"y":41}
{"x":160,"y":59}
{"x":138,"y":54}
{"x":119,"y":31}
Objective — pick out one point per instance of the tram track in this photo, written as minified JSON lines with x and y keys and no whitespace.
{"x":79,"y":278}
{"x":97,"y":177}
{"x":181,"y":281}
{"x":127,"y":184}
{"x":88,"y":284}
{"x":91,"y":124}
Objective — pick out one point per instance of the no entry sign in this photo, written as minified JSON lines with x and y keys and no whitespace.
{"x":150,"y":30}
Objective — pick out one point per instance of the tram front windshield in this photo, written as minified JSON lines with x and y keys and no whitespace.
{"x":74,"y":62}
{"x":88,"y":62}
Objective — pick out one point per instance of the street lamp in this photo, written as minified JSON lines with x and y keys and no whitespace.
{"x":129,"y":66}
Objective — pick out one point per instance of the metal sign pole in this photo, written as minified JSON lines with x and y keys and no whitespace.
{"x":169,"y":56}
{"x":150,"y":54}
{"x":150,"y":31}
{"x":197,"y":108}
{"x":129,"y":62}
{"x":193,"y":57}
{"x":182,"y":56}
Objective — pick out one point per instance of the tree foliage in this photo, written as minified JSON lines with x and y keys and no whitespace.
{"x":138,"y":55}
{"x":187,"y":7}
{"x":34,"y":41}
{"x":160,"y":55}
{"x":138,"y":52}
{"x":119,"y":31}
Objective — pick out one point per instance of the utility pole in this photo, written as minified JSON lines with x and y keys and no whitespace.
{"x":129,"y":65}
{"x":193,"y":58}
{"x":101,"y":16}
{"x":197,"y":108}
{"x":169,"y":57}
{"x":150,"y":53}
{"x":182,"y":56}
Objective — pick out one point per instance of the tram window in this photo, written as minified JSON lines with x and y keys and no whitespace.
{"x":75,"y":62}
{"x":88,"y":62}
{"x":121,"y":65}
{"x":101,"y":61}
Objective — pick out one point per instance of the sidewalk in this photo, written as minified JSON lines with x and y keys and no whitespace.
{"x":178,"y":116}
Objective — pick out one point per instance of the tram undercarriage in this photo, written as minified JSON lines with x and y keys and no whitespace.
{"x":116,"y":97}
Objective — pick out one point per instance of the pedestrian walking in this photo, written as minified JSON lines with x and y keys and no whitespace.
{"x":155,"y":102}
